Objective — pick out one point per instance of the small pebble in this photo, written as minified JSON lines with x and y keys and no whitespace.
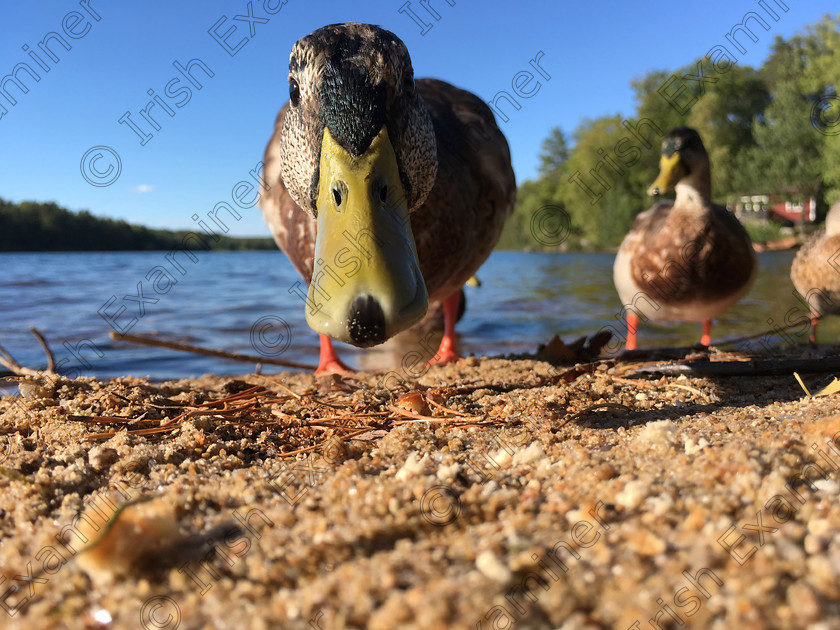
{"x":491,"y":567}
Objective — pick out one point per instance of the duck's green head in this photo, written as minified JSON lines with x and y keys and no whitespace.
{"x":682,"y":154}
{"x":358,"y":153}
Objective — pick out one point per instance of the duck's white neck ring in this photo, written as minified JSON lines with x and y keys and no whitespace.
{"x":695,"y":189}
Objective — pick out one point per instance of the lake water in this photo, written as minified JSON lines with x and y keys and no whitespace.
{"x":240,"y":301}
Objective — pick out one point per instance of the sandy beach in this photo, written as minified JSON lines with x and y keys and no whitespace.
{"x":489,"y":493}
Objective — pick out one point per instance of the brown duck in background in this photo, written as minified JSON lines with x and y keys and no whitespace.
{"x":686,"y":259}
{"x":386,"y":192}
{"x":815,"y":271}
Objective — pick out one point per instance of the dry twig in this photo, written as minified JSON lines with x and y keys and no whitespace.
{"x":8,"y":361}
{"x":183,"y":347}
{"x":744,"y":368}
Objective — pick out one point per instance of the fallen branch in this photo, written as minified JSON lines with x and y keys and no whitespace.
{"x":661,"y":353}
{"x":234,"y":356}
{"x":47,"y":351}
{"x":767,"y":333}
{"x":8,"y":361}
{"x":671,"y":352}
{"x":743,"y":368}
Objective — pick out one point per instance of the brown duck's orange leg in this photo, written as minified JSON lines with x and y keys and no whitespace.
{"x":706,"y":338}
{"x":632,"y":326}
{"x":446,"y":352}
{"x":815,"y":319}
{"x":329,"y":361}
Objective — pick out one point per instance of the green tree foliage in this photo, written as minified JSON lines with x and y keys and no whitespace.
{"x":554,"y":154}
{"x":787,"y":156}
{"x":758,"y":126}
{"x":534,"y":195}
{"x":725,"y":117}
{"x":31,"y":226}
{"x":605,"y":190}
{"x":652,"y":105}
{"x":821,"y":79}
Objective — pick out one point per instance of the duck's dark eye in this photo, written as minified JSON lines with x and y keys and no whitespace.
{"x":294,"y":92}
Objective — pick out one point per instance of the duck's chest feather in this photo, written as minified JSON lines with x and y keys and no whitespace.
{"x":690,"y":256}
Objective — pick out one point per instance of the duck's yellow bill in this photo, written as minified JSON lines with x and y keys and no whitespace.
{"x":366,"y":282}
{"x":671,"y":170}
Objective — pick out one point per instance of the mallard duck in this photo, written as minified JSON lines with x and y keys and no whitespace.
{"x":815,"y":271}
{"x":386,"y":192}
{"x":687,"y":259}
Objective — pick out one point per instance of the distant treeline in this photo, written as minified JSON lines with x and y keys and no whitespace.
{"x":32,"y":227}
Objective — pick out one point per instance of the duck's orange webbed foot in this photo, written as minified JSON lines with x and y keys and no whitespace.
{"x":706,"y":338}
{"x":328,"y":362}
{"x":815,"y":320}
{"x":447,"y":353}
{"x":632,"y":327}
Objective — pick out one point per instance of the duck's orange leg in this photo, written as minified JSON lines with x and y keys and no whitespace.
{"x":815,"y":319}
{"x":329,"y":362}
{"x":706,"y":338}
{"x":446,"y":352}
{"x":632,"y":326}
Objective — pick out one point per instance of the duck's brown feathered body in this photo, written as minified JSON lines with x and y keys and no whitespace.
{"x":815,"y":271}
{"x":459,"y":223}
{"x":692,"y":265}
{"x":813,"y":275}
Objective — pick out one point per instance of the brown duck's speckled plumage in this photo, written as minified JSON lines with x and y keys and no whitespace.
{"x":474,"y":192}
{"x":293,"y":229}
{"x":459,"y":222}
{"x":815,"y":271}
{"x":680,"y":258}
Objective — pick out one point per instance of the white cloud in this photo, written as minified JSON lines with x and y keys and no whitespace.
{"x":143,"y":188}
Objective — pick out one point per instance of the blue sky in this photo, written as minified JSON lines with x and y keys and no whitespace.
{"x":122,"y":50}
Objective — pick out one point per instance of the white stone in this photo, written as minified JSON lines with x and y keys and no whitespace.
{"x":412,"y":467}
{"x":632,"y":495}
{"x":491,"y":567}
{"x":659,"y":433}
{"x":532,"y":453}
